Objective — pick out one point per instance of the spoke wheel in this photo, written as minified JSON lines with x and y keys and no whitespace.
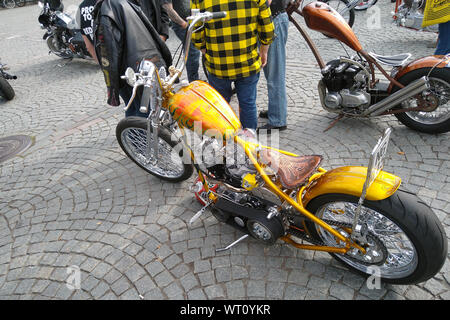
{"x":387,"y":246}
{"x":437,"y":100}
{"x":405,"y":241}
{"x":61,"y":52}
{"x":365,"y":4}
{"x":131,"y":134}
{"x":10,"y":4}
{"x":341,"y":6}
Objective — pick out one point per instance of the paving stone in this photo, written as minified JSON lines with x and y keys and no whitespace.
{"x":120,"y":286}
{"x":341,"y":291}
{"x":189,"y":281}
{"x":214,"y":292}
{"x":295,"y":292}
{"x":74,"y":198}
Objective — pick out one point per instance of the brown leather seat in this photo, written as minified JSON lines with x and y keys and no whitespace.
{"x":293,"y":171}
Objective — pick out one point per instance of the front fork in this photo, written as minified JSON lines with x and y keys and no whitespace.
{"x":154,"y":118}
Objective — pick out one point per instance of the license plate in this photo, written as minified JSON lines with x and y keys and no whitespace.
{"x":376,"y":161}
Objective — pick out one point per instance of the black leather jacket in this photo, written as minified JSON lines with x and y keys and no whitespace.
{"x":123,"y":37}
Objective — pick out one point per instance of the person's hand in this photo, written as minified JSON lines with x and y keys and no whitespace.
{"x":203,"y":51}
{"x":263,"y":50}
{"x":185,"y":25}
{"x":163,"y":38}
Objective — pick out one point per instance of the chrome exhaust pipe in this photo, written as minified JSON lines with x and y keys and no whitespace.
{"x":398,"y":97}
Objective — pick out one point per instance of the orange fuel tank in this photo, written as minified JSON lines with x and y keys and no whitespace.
{"x":199,"y":105}
{"x":321,"y":17}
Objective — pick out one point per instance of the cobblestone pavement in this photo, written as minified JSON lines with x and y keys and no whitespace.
{"x":75,"y":199}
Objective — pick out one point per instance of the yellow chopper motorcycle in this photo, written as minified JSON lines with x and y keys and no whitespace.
{"x":357,"y":214}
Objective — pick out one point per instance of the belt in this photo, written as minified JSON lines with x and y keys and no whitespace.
{"x":275,"y":13}
{"x":276,"y":8}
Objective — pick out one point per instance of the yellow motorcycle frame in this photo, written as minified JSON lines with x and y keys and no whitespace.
{"x":199,"y":102}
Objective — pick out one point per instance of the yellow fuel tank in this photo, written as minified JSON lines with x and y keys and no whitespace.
{"x":200,"y":105}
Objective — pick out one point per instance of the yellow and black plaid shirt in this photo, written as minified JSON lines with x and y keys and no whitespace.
{"x":231,"y":43}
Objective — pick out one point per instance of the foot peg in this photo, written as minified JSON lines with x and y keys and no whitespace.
{"x":198,"y":214}
{"x":245,"y":236}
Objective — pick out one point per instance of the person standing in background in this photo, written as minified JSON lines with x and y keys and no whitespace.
{"x":230,"y":46}
{"x":178,"y":11}
{"x":87,"y":25}
{"x":124,"y":36}
{"x":157,"y":15}
{"x":275,"y":70}
{"x":443,"y":45}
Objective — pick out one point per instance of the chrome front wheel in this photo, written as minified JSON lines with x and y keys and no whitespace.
{"x":57,"y":49}
{"x":132,"y":136}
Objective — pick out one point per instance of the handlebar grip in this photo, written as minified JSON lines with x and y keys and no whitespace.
{"x":219,"y":15}
{"x":145,"y":100}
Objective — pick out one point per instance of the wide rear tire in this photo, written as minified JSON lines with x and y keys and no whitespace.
{"x":405,"y":229}
{"x":437,"y":121}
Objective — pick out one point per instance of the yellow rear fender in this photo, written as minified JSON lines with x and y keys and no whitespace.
{"x":350,"y":180}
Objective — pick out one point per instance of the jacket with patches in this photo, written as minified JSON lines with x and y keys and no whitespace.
{"x":123,"y":36}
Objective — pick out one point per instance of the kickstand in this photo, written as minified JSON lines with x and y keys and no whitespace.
{"x":228,"y":247}
{"x":334,"y":122}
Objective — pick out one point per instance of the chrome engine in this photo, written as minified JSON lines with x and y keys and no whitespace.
{"x":243,"y":201}
{"x":410,"y":15}
{"x":345,"y":81}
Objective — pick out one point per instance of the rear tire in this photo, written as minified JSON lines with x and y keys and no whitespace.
{"x":6,"y":90}
{"x":423,"y":121}
{"x":402,"y":218}
{"x":131,"y":135}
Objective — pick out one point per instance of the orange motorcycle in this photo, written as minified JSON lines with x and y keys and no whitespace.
{"x":359,"y":215}
{"x":416,"y":92}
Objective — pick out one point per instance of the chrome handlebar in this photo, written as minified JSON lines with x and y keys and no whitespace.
{"x":147,"y":69}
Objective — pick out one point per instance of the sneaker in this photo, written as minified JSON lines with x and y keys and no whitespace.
{"x":270,"y":127}
{"x":264,"y":114}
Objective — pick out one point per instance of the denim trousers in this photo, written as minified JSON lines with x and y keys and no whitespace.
{"x":125,"y":93}
{"x":246,"y":94}
{"x":275,"y":72}
{"x":192,"y":63}
{"x":443,"y":46}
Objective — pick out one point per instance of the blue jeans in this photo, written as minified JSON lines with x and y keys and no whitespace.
{"x":192,"y":63}
{"x":275,"y":72}
{"x":125,"y":93}
{"x":443,"y":46}
{"x":246,"y":94}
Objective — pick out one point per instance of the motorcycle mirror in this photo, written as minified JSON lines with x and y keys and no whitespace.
{"x":40,"y":4}
{"x":130,"y":76}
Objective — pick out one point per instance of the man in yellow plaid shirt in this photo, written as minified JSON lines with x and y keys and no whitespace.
{"x":230,"y":46}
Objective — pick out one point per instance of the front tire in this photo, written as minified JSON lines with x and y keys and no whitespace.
{"x":402,"y":227}
{"x":365,"y":4}
{"x":6,"y":90}
{"x":60,"y":52}
{"x":339,"y":6}
{"x":437,"y":121}
{"x":10,"y":4}
{"x":131,"y":133}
